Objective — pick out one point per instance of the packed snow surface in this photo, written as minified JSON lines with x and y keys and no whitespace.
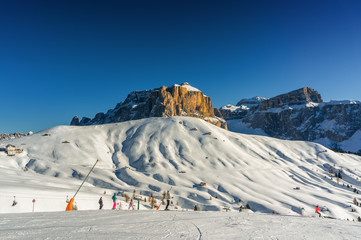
{"x":202,"y":165}
{"x":173,"y":225}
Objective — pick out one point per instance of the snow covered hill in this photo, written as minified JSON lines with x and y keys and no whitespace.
{"x":154,"y":154}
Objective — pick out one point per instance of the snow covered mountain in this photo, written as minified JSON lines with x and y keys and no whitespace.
{"x":177,"y":100}
{"x":204,"y":165}
{"x":300,"y":115}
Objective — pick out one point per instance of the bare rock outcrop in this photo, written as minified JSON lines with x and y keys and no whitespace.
{"x":297,"y":97}
{"x":177,"y":100}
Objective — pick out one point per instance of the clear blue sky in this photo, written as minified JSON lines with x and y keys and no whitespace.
{"x":59,"y":58}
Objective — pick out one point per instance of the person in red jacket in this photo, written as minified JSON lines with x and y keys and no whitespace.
{"x":317,"y":210}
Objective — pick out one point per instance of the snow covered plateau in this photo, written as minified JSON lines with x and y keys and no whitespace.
{"x":204,"y":166}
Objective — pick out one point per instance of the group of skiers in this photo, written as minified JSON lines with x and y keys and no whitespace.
{"x":131,"y":204}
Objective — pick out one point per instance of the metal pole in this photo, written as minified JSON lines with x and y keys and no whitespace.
{"x":86,"y":178}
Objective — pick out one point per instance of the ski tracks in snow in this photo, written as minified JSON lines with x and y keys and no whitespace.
{"x":200,"y":233}
{"x":182,"y":228}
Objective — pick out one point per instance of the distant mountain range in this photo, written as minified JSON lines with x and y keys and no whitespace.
{"x":299,"y":115}
{"x":296,"y":115}
{"x":5,"y":136}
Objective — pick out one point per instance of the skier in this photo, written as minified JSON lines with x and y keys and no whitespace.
{"x":168,"y":200}
{"x":14,"y":202}
{"x":317,"y":210}
{"x":131,"y":204}
{"x":75,"y":207}
{"x":114,"y":201}
{"x":100,"y":203}
{"x":240,"y":208}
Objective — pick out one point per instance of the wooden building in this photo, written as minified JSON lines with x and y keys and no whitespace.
{"x":10,"y":150}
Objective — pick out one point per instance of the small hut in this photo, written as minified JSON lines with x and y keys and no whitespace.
{"x":10,"y":150}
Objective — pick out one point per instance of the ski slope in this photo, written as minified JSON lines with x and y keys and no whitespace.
{"x":173,"y":225}
{"x":156,"y":154}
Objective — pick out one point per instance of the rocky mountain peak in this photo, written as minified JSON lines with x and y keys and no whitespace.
{"x":177,"y":100}
{"x":300,"y":96}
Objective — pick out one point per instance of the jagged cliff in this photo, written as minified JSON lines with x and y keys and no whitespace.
{"x":301,"y":115}
{"x":177,"y":100}
{"x":297,"y":97}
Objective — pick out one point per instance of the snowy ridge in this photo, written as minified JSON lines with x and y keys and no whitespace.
{"x":155,"y":154}
{"x":232,"y":108}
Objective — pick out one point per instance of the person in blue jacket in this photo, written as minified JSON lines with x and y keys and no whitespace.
{"x":114,"y":201}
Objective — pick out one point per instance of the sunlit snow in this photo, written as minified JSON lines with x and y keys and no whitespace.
{"x":275,"y":177}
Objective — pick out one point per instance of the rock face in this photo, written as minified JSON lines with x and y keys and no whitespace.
{"x":5,"y":136}
{"x":177,"y":100}
{"x":302,"y":115}
{"x":297,"y":97}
